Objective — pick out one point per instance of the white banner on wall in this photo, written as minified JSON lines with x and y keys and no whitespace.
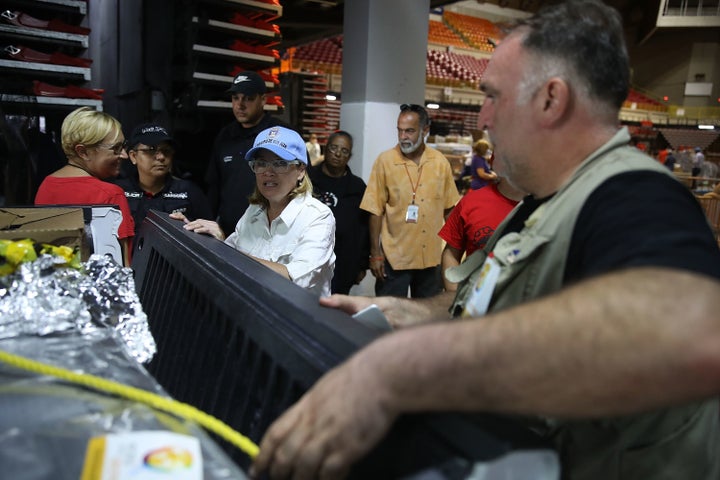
{"x":698,"y":89}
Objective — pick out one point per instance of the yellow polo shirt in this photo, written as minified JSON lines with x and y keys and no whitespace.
{"x":410,"y":246}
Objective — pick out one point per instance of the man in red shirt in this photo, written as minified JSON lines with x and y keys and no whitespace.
{"x":473,"y":221}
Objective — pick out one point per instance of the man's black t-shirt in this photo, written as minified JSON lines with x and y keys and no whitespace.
{"x":636,"y":219}
{"x":178,"y":195}
{"x":352,"y":238}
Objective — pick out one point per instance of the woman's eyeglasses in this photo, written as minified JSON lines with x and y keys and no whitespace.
{"x":277,"y":166}
{"x":116,"y":148}
{"x":152,"y":151}
{"x":337,"y":149}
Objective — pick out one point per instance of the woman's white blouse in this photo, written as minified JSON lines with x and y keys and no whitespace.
{"x":302,"y":238}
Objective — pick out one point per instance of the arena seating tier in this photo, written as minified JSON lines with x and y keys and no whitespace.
{"x":643,"y":102}
{"x":475,"y":31}
{"x":444,"y":68}
{"x":442,"y":35}
{"x":454,"y":69}
{"x":323,"y":55}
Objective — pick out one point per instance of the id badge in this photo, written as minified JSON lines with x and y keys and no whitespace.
{"x":479,"y":301}
{"x":411,"y":216}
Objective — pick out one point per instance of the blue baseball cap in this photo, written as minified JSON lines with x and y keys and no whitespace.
{"x":283,"y":142}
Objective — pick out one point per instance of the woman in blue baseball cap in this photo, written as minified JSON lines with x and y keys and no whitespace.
{"x":284,"y":228}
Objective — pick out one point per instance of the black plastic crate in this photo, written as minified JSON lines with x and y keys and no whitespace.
{"x":242,"y":343}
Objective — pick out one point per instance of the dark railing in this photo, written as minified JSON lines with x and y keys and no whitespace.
{"x":243,"y":344}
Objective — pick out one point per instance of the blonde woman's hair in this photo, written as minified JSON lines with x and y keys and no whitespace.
{"x":86,"y":126}
{"x":304,"y":188}
{"x":481,"y":147}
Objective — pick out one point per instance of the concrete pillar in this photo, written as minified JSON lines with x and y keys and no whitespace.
{"x":384,"y":51}
{"x":703,"y":72}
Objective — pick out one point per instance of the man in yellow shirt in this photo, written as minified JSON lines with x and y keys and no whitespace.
{"x":410,"y":192}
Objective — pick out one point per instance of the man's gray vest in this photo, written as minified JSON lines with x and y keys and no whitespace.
{"x":676,"y":443}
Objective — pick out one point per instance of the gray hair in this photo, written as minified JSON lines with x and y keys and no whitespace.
{"x":581,"y":41}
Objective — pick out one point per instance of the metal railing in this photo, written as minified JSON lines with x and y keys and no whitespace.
{"x":686,"y":8}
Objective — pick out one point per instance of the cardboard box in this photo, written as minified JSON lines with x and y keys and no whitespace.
{"x":56,"y":226}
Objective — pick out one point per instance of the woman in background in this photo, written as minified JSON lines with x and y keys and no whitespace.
{"x":314,"y":150}
{"x":480,"y":170}
{"x":94,"y":145}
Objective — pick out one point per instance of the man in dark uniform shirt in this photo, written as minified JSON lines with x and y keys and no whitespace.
{"x":152,"y":186}
{"x":228,"y":177}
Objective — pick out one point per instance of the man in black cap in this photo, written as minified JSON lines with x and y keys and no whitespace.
{"x":228,"y":177}
{"x":152,"y":186}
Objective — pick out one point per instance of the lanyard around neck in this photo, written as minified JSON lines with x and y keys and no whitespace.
{"x":414,"y":187}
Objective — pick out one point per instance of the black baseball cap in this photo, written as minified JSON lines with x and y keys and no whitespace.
{"x":150,"y":134}
{"x":247,"y":83}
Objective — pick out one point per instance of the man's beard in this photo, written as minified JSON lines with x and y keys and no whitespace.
{"x":413,"y":147}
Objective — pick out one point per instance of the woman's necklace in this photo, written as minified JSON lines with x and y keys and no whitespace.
{"x":81,"y":168}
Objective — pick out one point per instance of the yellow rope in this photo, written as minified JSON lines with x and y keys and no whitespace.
{"x":156,"y":401}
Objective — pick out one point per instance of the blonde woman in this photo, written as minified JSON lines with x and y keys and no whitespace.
{"x":94,"y":144}
{"x":284,"y":228}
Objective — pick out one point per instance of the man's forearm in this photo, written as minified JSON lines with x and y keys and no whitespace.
{"x":450,"y":258}
{"x":375,"y":226}
{"x":403,"y":312}
{"x":613,"y":345}
{"x":274,"y":266}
